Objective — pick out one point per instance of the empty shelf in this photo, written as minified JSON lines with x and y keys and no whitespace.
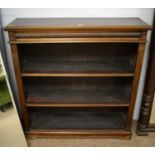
{"x":106,"y":66}
{"x":78,"y":97}
{"x":75,"y":90}
{"x":76,"y":118}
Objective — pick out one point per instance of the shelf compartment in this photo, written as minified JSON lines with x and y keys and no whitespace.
{"x":106,"y":66}
{"x":77,"y":118}
{"x":74,"y":91}
{"x":77,"y":58}
{"x":99,"y":98}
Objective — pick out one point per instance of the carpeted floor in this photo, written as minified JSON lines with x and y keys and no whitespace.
{"x":135,"y":142}
{"x":11,"y":134}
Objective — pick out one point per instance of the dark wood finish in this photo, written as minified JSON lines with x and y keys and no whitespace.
{"x":78,"y":77}
{"x":149,"y":90}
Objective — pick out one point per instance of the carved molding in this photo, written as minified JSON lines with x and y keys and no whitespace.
{"x":146,"y":104}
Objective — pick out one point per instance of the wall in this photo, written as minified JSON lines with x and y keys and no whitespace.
{"x":8,"y":15}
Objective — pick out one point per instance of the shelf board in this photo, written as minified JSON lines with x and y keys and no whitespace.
{"x":80,"y":97}
{"x":46,"y":67}
{"x":113,"y":105}
{"x":77,"y":74}
{"x":77,"y":118}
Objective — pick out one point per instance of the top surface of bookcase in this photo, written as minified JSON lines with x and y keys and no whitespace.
{"x":79,"y":23}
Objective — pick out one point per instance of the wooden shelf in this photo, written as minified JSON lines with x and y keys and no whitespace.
{"x":83,"y":97}
{"x":63,"y":105}
{"x":69,"y":68}
{"x":77,"y":92}
{"x":77,"y":118}
{"x":77,"y":74}
{"x":77,"y":69}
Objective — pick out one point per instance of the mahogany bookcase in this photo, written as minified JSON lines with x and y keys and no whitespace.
{"x":77,"y":77}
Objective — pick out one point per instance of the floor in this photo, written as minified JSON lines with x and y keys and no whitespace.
{"x":12,"y":135}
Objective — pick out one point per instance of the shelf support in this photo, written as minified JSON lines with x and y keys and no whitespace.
{"x":16,"y":64}
{"x":135,"y":84}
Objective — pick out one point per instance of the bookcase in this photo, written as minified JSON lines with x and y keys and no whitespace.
{"x":77,"y":77}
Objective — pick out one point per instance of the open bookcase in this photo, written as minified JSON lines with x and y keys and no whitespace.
{"x":77,"y":77}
